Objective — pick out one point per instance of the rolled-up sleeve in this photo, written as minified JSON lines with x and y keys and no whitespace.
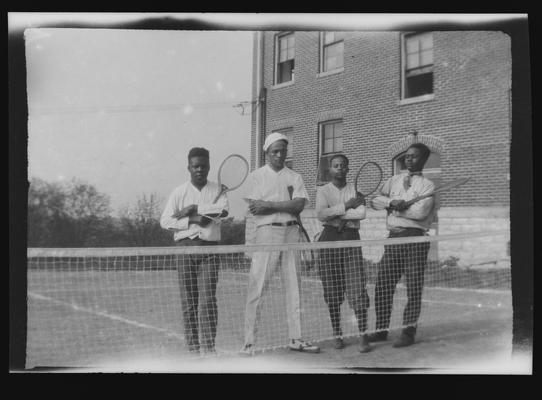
{"x":299,"y":190}
{"x":167,"y":221}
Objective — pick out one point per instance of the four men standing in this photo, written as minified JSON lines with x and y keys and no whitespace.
{"x":276,"y":197}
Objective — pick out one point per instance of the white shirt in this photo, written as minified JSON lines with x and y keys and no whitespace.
{"x":330,"y":206}
{"x":188,"y":194}
{"x":268,"y":185}
{"x":418,"y":215}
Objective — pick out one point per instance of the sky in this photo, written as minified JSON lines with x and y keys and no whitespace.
{"x":120,"y":109}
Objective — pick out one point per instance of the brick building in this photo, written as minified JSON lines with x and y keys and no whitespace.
{"x":369,"y":94}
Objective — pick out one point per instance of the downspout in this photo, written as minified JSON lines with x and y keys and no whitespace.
{"x":260,"y":98}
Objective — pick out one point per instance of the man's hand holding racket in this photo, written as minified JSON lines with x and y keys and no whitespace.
{"x":355,"y":202}
{"x":187,"y":211}
{"x":366,"y":182}
{"x":398,"y":205}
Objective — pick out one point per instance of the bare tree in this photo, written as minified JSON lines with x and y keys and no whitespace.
{"x":70,"y":214}
{"x":141,"y":222}
{"x":45,"y":212}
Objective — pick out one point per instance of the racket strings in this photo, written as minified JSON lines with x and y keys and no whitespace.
{"x":233,"y":172}
{"x":368,"y":179}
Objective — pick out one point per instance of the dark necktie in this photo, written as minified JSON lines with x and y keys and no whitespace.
{"x":407,"y":180}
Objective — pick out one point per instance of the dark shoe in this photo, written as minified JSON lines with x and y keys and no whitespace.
{"x":193,"y":349}
{"x":301,"y":345}
{"x":209,"y":351}
{"x":338,"y":343}
{"x":406,"y":338}
{"x":247,"y":350}
{"x":364,"y":346}
{"x":378,"y":336}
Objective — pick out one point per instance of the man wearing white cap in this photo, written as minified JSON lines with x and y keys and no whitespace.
{"x":275,"y":214}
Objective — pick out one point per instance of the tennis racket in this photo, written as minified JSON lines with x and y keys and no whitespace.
{"x":367,"y":181}
{"x":441,"y":188}
{"x":307,"y":257}
{"x":305,"y":236}
{"x":231,"y":174}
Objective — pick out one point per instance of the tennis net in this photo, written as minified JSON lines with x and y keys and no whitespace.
{"x":90,"y":307}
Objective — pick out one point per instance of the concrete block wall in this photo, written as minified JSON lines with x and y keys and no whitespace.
{"x":464,"y":252}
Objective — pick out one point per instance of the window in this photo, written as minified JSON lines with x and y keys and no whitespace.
{"x":331,"y":51}
{"x":417,"y":64}
{"x":289,"y":133}
{"x":284,"y":56}
{"x":330,"y":143}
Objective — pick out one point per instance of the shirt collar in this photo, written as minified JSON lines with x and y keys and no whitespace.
{"x":199,"y":190}
{"x":276,"y":172}
{"x":418,"y":173}
{"x":336,"y":188}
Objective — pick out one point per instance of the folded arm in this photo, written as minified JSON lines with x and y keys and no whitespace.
{"x":420,"y":209}
{"x":355,"y":213}
{"x":175,"y":219}
{"x":262,"y":207}
{"x":353,"y":209}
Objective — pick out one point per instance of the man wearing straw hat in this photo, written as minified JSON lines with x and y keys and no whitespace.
{"x":275,"y":214}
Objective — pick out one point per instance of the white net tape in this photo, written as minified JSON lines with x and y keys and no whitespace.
{"x":88,"y":307}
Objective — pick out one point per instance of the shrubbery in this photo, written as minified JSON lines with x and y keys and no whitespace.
{"x":75,"y":214}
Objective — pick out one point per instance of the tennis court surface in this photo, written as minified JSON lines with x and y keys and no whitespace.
{"x":119,"y":309}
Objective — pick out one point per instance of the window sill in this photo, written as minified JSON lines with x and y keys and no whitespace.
{"x":419,"y":99}
{"x":332,"y":72}
{"x":281,"y":85}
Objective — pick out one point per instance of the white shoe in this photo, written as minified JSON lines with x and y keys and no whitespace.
{"x":301,"y":345}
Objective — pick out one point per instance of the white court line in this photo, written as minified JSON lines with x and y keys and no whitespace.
{"x":104,"y":314}
{"x":454,"y":303}
{"x":401,"y":285}
{"x":477,"y":305}
{"x":316,"y":280}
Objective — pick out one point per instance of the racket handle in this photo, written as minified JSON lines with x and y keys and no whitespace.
{"x":341,"y":225}
{"x":218,"y":196}
{"x":416,"y":199}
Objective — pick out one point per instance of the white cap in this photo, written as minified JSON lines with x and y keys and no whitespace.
{"x":272,"y":138}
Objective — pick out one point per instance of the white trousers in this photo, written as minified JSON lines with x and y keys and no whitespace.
{"x":263,"y":266}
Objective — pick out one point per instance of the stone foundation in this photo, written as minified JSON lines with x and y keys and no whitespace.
{"x":483,"y":251}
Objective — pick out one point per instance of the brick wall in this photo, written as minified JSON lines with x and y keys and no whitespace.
{"x":469,"y":112}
